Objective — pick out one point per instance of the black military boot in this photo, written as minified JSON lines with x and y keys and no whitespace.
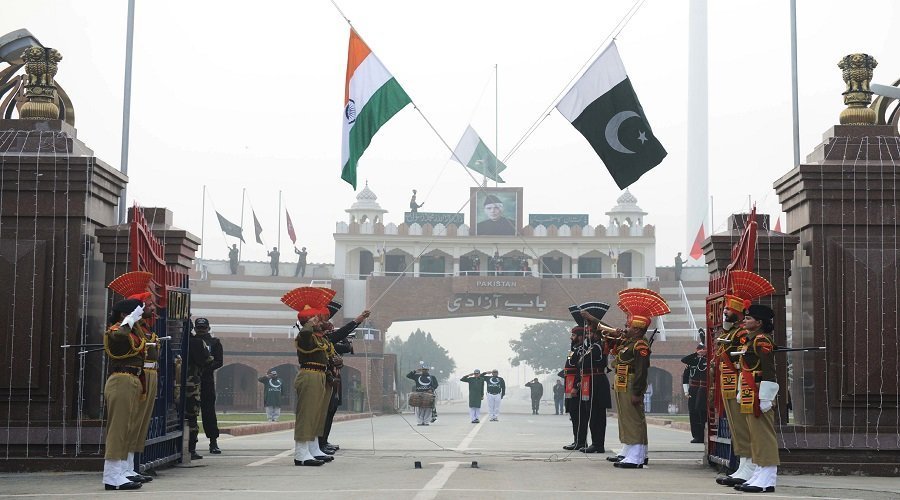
{"x":213,"y":447}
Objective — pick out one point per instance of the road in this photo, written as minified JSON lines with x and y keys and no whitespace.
{"x":519,"y":457}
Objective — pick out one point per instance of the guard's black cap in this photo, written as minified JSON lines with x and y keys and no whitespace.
{"x":333,"y":308}
{"x":575,"y":311}
{"x":201,"y":323}
{"x":760,"y":312}
{"x":595,"y":309}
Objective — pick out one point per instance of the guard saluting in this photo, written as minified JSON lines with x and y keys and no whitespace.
{"x":122,"y":391}
{"x":631,"y":364}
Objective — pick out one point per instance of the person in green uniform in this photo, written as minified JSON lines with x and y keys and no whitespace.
{"x":122,"y":392}
{"x":757,"y":392}
{"x":476,"y":394}
{"x":272,"y":391}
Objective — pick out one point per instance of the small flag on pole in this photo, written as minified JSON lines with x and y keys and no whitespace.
{"x":603,"y":106}
{"x":290,"y":227}
{"x":371,"y":97}
{"x":230,"y":228}
{"x":697,"y":248}
{"x":257,"y":226}
{"x":474,"y":154}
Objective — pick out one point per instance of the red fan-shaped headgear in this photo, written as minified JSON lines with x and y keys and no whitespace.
{"x":133,"y":285}
{"x":641,"y":304}
{"x":746,"y":287}
{"x":309,"y":301}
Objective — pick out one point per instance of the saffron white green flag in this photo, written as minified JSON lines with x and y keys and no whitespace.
{"x":371,"y":97}
{"x":602,"y":106}
{"x":474,"y":154}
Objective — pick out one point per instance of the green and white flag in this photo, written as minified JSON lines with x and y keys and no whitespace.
{"x":474,"y":154}
{"x":602,"y":106}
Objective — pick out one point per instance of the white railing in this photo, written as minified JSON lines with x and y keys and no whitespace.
{"x":687,"y":306}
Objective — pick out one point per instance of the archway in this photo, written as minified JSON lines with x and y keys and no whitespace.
{"x":661,"y":382}
{"x":236,"y":388}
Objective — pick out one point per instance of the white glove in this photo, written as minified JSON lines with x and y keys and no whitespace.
{"x":767,"y":392}
{"x":685,"y":387}
{"x":133,"y":318}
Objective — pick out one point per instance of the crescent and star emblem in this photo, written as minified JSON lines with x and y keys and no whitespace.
{"x":495,"y":380}
{"x":612,"y":131}
{"x":272,"y":384}
{"x":424,"y":380}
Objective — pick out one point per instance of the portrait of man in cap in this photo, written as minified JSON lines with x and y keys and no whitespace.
{"x":492,"y":208}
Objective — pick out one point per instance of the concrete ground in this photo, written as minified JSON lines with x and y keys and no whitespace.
{"x":519,"y":457}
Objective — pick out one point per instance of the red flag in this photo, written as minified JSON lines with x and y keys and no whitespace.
{"x":778,"y":224}
{"x":697,"y":250}
{"x":291,"y":234}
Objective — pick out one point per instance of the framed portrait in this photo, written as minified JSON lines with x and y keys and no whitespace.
{"x":495,"y":211}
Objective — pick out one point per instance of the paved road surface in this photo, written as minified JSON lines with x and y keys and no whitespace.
{"x":519,"y":457}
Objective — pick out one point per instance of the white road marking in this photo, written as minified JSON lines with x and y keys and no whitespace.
{"x":271,"y":459}
{"x":464,"y":444}
{"x":430,"y":490}
{"x":434,"y":486}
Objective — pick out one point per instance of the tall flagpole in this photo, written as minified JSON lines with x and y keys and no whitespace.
{"x":496,"y":121}
{"x":126,"y":106}
{"x":241,"y":240}
{"x":279,"y":221}
{"x":795,"y":106}
{"x":203,"y":224}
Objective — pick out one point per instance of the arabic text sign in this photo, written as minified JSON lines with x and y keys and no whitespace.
{"x":557,"y":220}
{"x":433,"y":218}
{"x":472,"y":302}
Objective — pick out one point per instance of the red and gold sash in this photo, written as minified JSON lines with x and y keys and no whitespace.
{"x":621,"y":383}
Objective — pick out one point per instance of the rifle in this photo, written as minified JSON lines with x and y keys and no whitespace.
{"x":783,"y":349}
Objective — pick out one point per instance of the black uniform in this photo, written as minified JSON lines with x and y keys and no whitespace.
{"x":572,"y":381}
{"x":336,"y":337}
{"x":694,"y":376}
{"x":208,"y":387}
{"x":594,"y":397}
{"x":198,"y":359}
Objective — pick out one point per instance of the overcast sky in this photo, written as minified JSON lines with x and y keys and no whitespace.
{"x":249,"y":95}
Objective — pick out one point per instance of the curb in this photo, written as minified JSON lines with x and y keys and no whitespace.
{"x":248,"y":429}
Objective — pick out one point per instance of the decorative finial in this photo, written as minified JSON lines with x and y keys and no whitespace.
{"x":40,"y":88}
{"x":857,"y":70}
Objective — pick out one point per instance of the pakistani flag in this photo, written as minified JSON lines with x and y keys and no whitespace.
{"x":602,"y":105}
{"x":257,"y":227}
{"x":474,"y":154}
{"x":230,"y":228}
{"x":371,"y":97}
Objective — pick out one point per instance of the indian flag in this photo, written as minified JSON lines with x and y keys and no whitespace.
{"x":371,"y":97}
{"x":473,"y":153}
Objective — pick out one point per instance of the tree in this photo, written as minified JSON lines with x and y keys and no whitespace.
{"x":542,"y":346}
{"x":421,"y":347}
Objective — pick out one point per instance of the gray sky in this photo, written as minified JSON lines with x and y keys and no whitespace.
{"x":250,"y":94}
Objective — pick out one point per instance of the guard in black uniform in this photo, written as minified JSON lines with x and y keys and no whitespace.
{"x":693,"y":380}
{"x":342,"y":345}
{"x":594,"y":386}
{"x":208,"y":384}
{"x":572,"y":378}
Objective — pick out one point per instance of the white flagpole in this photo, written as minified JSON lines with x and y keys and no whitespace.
{"x":794,"y":104}
{"x":279,"y":221}
{"x":240,"y":240}
{"x":496,"y":120}
{"x":203,"y":224}
{"x":126,"y":106}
